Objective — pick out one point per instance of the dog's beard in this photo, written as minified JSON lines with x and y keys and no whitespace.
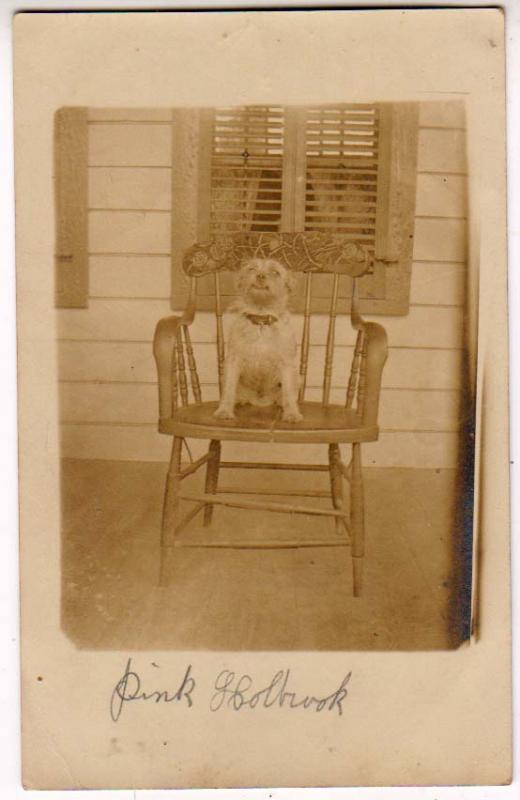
{"x":265,"y":298}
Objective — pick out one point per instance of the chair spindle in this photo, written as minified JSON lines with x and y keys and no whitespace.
{"x":329,"y":353}
{"x":220,"y":333}
{"x":194,"y":377}
{"x":304,"y":356}
{"x":183,"y":383}
{"x":354,"y":371}
{"x":174,"y":379}
{"x":362,"y":379}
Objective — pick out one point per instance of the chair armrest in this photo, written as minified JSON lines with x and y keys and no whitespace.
{"x":376,"y":355}
{"x":164,"y":342}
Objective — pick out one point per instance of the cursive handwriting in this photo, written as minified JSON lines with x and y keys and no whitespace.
{"x":237,"y":693}
{"x":232,"y":691}
{"x":128,"y":688}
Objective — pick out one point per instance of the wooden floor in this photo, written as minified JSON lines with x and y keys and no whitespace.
{"x":235,"y":599}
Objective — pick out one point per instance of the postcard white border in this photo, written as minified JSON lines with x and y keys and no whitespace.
{"x":9,"y":693}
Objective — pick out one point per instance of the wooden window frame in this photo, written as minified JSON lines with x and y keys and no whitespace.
{"x":387,"y":290}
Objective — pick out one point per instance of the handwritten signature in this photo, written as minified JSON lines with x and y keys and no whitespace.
{"x":238,"y":693}
{"x":229,"y":691}
{"x":128,"y":688}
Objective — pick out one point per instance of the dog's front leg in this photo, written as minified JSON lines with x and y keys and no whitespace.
{"x":291,"y":412}
{"x":227,"y":401}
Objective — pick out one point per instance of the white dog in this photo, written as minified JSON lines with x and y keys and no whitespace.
{"x":261,"y":366}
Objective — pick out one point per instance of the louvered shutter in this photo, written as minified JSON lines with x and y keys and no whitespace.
{"x":246,"y":170}
{"x":341,"y":188}
{"x":342,"y":177}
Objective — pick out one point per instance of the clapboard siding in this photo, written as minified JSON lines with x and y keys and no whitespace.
{"x":129,"y":232}
{"x":132,"y":362}
{"x":442,"y":151}
{"x":439,"y":239}
{"x":441,"y":195}
{"x":134,"y":320}
{"x":107,"y":372}
{"x":143,"y":276}
{"x":129,"y":145}
{"x":130,"y":187}
{"x":438,"y":283}
{"x":439,"y":114}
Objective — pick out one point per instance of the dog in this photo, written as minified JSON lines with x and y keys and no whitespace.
{"x":261,"y":361}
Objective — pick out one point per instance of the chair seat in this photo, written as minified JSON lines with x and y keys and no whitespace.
{"x":320,"y":424}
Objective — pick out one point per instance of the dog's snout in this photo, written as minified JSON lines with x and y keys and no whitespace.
{"x":261,"y":277}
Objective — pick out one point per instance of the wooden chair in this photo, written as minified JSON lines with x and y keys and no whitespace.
{"x":184,"y":414}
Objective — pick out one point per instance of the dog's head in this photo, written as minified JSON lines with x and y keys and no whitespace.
{"x":264,"y":282}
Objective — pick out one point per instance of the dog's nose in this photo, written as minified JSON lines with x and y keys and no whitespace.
{"x":260,"y":277}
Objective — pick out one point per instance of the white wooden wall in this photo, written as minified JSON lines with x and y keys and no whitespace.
{"x":108,"y":387}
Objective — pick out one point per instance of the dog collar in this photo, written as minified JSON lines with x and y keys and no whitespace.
{"x":261,"y":319}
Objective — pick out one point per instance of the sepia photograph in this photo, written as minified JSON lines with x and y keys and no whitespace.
{"x":292,"y":446}
{"x":262,"y":396}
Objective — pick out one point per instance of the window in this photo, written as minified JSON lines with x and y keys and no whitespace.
{"x":346,"y":169}
{"x":305,"y":169}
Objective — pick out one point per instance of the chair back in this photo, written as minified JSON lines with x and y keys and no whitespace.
{"x":310,"y":253}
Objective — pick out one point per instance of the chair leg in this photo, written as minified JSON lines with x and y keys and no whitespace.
{"x":336,"y":484}
{"x":170,"y":516}
{"x":357,"y":520}
{"x":211,"y":477}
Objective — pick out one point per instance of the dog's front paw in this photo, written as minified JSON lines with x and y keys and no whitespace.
{"x":224,"y":412}
{"x":292,"y":416}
